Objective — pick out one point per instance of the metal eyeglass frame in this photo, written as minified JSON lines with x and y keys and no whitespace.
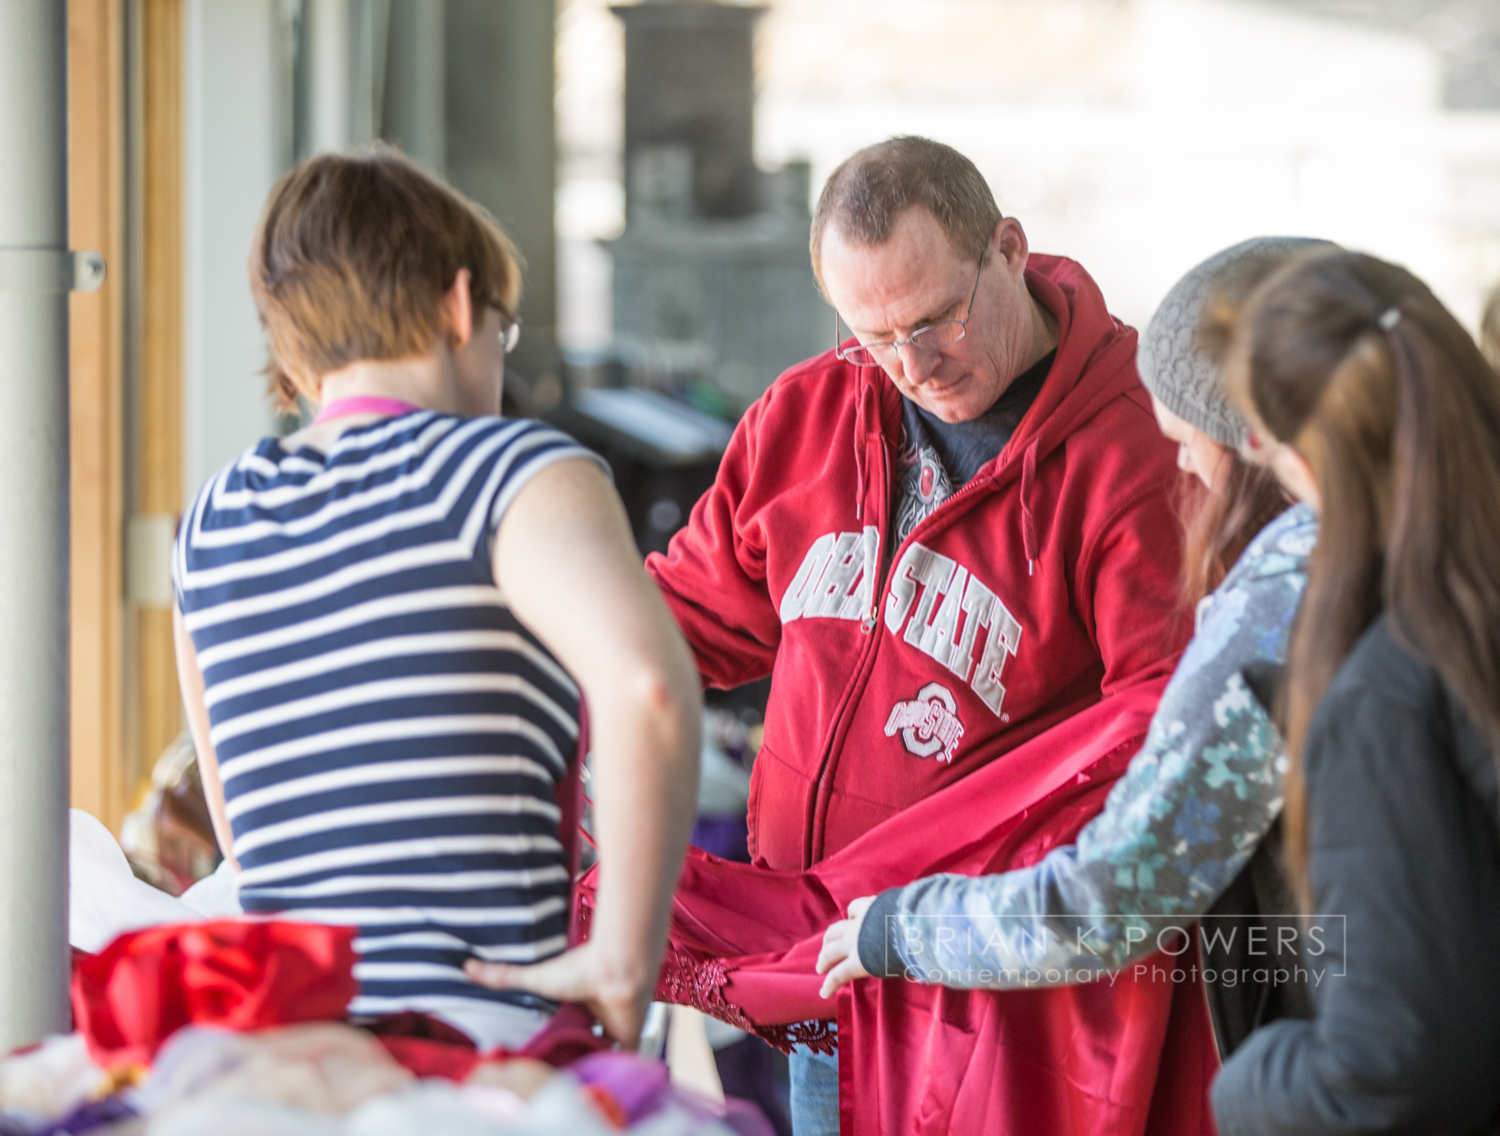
{"x":912,"y":340}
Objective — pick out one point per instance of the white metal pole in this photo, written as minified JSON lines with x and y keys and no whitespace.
{"x":36,"y":272}
{"x":330,"y":38}
{"x":416,"y":81}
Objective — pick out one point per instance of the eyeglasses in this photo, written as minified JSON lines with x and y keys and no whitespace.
{"x":510,"y":329}
{"x":933,"y":337}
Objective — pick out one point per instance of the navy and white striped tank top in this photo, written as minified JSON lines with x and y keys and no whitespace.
{"x":389,"y":736}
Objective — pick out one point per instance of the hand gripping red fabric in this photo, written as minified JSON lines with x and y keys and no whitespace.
{"x":1128,"y":1057}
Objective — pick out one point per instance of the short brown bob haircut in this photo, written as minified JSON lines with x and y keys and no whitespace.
{"x":351,"y":260}
{"x":872,"y":188}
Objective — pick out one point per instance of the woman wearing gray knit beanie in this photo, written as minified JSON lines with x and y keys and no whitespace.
{"x":1182,"y":832}
{"x":1177,"y":362}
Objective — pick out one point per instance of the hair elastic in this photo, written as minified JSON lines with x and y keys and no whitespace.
{"x":1389,"y":318}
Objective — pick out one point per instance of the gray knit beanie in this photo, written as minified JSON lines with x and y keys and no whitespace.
{"x":1174,"y":367}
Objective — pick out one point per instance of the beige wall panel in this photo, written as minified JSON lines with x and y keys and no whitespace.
{"x":96,"y":207}
{"x":155,"y":717}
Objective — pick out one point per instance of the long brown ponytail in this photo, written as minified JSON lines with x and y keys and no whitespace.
{"x":1355,"y":364}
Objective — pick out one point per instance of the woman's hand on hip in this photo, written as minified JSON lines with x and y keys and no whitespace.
{"x":585,"y":975}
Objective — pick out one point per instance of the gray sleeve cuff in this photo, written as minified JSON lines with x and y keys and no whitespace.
{"x":879,"y":935}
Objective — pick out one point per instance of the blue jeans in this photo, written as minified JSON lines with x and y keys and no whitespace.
{"x":815,"y":1093}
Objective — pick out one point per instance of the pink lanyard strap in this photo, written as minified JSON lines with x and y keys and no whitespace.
{"x":364,"y":404}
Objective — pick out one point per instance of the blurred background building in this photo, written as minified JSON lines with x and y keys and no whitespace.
{"x":656,"y":163}
{"x":1136,"y":136}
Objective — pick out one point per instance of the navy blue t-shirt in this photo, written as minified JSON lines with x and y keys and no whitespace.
{"x":938,"y":458}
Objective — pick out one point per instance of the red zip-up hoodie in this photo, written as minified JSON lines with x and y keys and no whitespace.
{"x":1046,"y":581}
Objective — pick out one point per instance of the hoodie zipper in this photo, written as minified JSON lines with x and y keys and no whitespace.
{"x":877,"y":574}
{"x":886,"y":566}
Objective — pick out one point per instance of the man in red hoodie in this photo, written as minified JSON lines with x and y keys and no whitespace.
{"x":942,"y":537}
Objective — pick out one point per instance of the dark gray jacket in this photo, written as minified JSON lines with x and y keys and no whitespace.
{"x":1403,"y":812}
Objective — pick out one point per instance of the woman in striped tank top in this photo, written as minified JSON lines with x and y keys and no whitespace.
{"x":386,"y":623}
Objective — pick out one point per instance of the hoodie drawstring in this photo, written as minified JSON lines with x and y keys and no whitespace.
{"x":867,"y":407}
{"x":859,"y":475}
{"x":1028,"y":520}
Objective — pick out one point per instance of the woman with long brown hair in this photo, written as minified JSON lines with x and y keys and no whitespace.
{"x":1379,"y":411}
{"x":1200,"y":797}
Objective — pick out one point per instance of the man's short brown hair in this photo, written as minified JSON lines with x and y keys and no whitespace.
{"x":351,"y":260}
{"x":871,"y":189}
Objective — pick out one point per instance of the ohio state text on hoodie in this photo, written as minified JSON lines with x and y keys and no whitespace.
{"x":1048,"y":580}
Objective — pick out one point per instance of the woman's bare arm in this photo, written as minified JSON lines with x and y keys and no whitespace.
{"x":190,"y":679}
{"x":569,"y":569}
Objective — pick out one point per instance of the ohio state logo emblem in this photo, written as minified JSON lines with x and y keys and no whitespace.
{"x":928,"y":724}
{"x":928,"y":481}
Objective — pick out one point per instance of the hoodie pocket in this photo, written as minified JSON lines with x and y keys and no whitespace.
{"x":780,"y":799}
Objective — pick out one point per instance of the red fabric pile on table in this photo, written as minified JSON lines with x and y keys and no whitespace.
{"x":144,"y":986}
{"x":243,"y":976}
{"x":1122,"y":1057}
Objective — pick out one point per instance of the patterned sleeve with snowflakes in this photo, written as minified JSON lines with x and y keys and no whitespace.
{"x":1175,"y":830}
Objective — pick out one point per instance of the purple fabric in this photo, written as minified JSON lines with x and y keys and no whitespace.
{"x":726,"y":837}
{"x":638,"y":1084}
{"x":643,"y":1087}
{"x":89,"y":1117}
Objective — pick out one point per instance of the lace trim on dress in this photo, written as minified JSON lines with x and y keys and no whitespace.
{"x":690,"y":979}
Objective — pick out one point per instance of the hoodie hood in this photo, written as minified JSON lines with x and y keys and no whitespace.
{"x":1094,"y":366}
{"x":1095,"y":363}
